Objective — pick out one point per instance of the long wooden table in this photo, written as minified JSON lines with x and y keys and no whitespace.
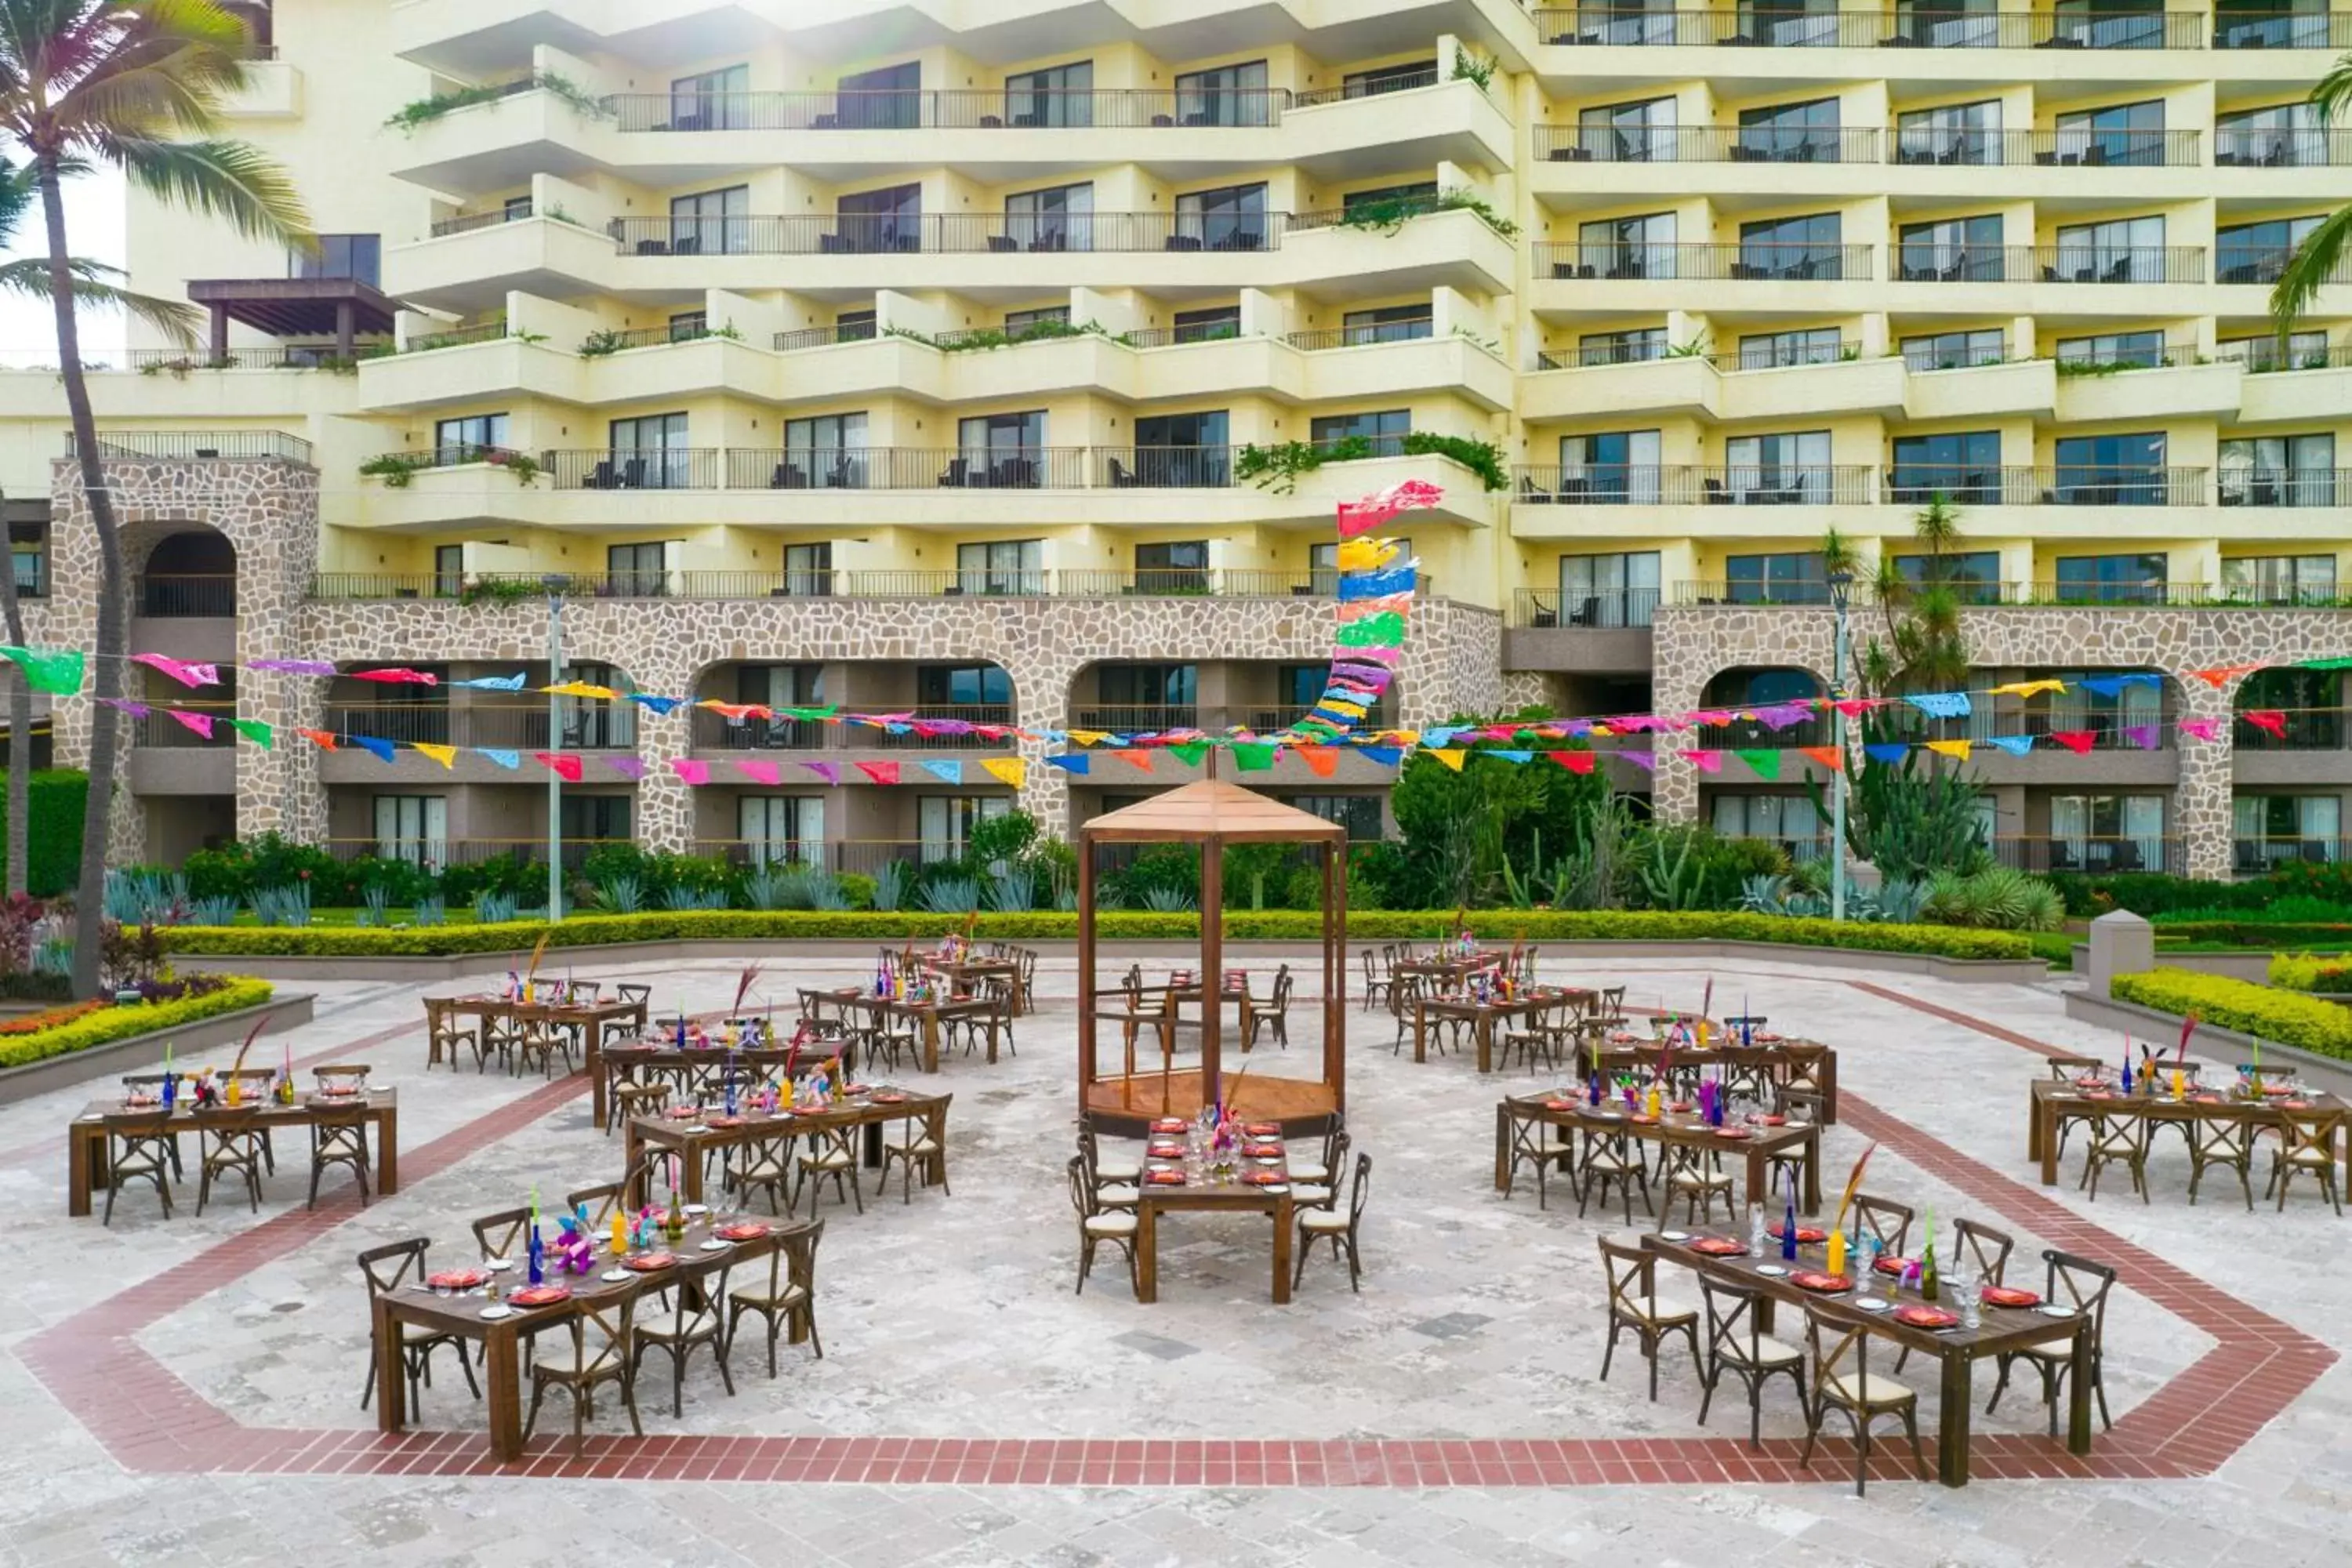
{"x":500,"y":1338}
{"x":691,"y":1140}
{"x":967,"y":973}
{"x":1957,"y":1349}
{"x":930,"y":1014}
{"x":1570,"y":1111}
{"x":594,"y":1021}
{"x":1211,"y":1194}
{"x":655,"y":1058}
{"x":1775,"y":1059}
{"x":2050,"y":1098}
{"x":86,"y":1169}
{"x":1482,"y":1016}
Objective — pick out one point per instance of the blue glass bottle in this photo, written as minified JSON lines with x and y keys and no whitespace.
{"x":537,"y":1255}
{"x":1788,"y":1229}
{"x":171,"y":1091}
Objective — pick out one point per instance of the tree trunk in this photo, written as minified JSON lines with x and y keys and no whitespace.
{"x":106,"y":675}
{"x":20,"y":735}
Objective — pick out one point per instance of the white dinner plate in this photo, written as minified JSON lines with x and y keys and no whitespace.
{"x":1274,"y":1187}
{"x":492,"y":1314}
{"x":698,"y":1208}
{"x":1673,"y":1235}
{"x":716,"y":1245}
{"x":495,"y":1264}
{"x":2055,"y":1310}
{"x":614,"y":1276}
{"x":1871,"y":1304}
{"x":1772,"y":1270}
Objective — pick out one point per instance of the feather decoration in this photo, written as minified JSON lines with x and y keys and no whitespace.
{"x":250,"y":1035}
{"x":743,"y":988}
{"x":1853,"y":1186}
{"x":2188,"y":1027}
{"x":538,"y":952}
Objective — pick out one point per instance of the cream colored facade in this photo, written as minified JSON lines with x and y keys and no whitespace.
{"x":1742,"y":276}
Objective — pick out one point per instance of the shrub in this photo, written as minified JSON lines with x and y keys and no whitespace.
{"x":2305,"y":1021}
{"x":107,"y":1025}
{"x":53,"y":856}
{"x":2312,"y":972}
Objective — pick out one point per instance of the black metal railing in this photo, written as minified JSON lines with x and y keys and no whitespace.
{"x":2063,"y":149}
{"x":1607,"y":26}
{"x":825,"y":337}
{"x":2265,"y":357}
{"x":2284,"y":30}
{"x":1968,"y":356}
{"x":1802,"y":484}
{"x":2048,"y":263}
{"x":1707,"y":262}
{"x":885,"y":109}
{"x":1198,"y":333}
{"x":455,"y":337}
{"x":2307,"y":730}
{"x":184,"y":595}
{"x":654,"y":337}
{"x":680,"y":468}
{"x":1411,"y":329}
{"x":1974,"y":485}
{"x":2285,"y":486}
{"x":2122,"y":356}
{"x":275,"y":356}
{"x":1372,"y":86}
{"x":1606,"y":610}
{"x":467,"y":223}
{"x":1163,"y":468}
{"x":952,"y":233}
{"x":2098,"y":856}
{"x":200,"y":445}
{"x":2264,"y":264}
{"x":1706,"y":144}
{"x":2301,"y":148}
{"x":1785,"y":356}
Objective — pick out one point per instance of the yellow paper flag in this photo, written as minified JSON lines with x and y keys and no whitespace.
{"x":1450,"y":755}
{"x":2026,"y":687}
{"x":1088,"y":737}
{"x":1958,"y":750}
{"x":446,"y":755}
{"x":581,"y":688}
{"x":1366,"y":554}
{"x":1011,"y":770}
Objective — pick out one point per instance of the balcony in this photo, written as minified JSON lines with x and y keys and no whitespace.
{"x":712,"y":732}
{"x":1603,"y":633}
{"x":272,"y":356}
{"x":2285,"y":486}
{"x":184,"y":596}
{"x":1837,"y":484}
{"x":1605,"y":27}
{"x":1705,"y":262}
{"x":2263,"y":265}
{"x":2260,"y":857}
{"x":200,"y":445}
{"x":2289,"y":30}
{"x":1222,"y":582}
{"x":1706,"y":144}
{"x":1911,"y":485}
{"x":1112,"y":109}
{"x":2049,"y":264}
{"x":2097,"y":856}
{"x":946,"y":233}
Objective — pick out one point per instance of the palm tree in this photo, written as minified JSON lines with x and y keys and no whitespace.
{"x":138,"y":85}
{"x":2314,"y":264}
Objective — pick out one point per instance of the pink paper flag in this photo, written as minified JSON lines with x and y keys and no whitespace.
{"x":180,"y":670}
{"x":565,"y":765}
{"x":202,"y":724}
{"x":2202,"y":729}
{"x":691,"y":771}
{"x":761,"y":772}
{"x":1363,"y":516}
{"x":397,"y":676}
{"x":880,"y":773}
{"x":1705,"y":761}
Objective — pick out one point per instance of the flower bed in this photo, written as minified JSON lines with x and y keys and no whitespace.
{"x":88,"y":1024}
{"x":2273,"y":1014}
{"x":2312,"y":972}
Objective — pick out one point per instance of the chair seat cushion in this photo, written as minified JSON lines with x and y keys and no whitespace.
{"x":1110,"y":1225}
{"x":1769,"y":1353}
{"x":674,"y":1325}
{"x":763,"y":1171}
{"x":1309,"y":1171}
{"x":923,"y":1148}
{"x":1710,"y":1181}
{"x":1322,"y":1223}
{"x":1657,"y":1310}
{"x":1118,"y":1195}
{"x":1872,"y":1391}
{"x":1309,"y":1193}
{"x":832,"y":1159}
{"x":1119,"y":1170}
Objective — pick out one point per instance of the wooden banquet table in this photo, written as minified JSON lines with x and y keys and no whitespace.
{"x":2050,"y":1098}
{"x":1569,"y":1109}
{"x":655,"y":1058}
{"x":1482,"y":1016}
{"x":1448,"y":973}
{"x":87,"y":1152}
{"x":1777,"y":1058}
{"x":1956,"y":1349}
{"x":691,"y":1137}
{"x":1207,"y":1193}
{"x":965,"y":974}
{"x":500,"y":1338}
{"x":594,"y":1020}
{"x":930,"y":1014}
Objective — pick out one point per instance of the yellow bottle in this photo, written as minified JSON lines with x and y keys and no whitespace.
{"x":1837,"y":1252}
{"x":2179,"y":1084}
{"x":620,"y":1232}
{"x":1651,"y":1104}
{"x":234,"y":1092}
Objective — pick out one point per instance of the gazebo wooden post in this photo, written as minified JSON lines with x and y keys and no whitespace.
{"x":1086,"y":972}
{"x":1212,"y":966}
{"x":1334,"y":974}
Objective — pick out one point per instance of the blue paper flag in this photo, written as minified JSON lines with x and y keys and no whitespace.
{"x":1072,"y":762}
{"x":1381,"y":756}
{"x":2015,"y":745}
{"x":2113,"y":685}
{"x":507,"y":760}
{"x":1509,"y":756}
{"x":1941,"y":704}
{"x":382,"y":748}
{"x":493,"y":682}
{"x":947,"y":773}
{"x":657,"y":704}
{"x":1886,"y":751}
{"x":1377,"y":585}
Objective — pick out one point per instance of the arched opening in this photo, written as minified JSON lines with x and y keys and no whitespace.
{"x":189,"y":574}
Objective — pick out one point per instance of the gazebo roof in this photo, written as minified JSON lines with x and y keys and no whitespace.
{"x":1211,"y":808}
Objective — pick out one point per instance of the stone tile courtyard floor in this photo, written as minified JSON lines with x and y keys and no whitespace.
{"x":186,"y":1390}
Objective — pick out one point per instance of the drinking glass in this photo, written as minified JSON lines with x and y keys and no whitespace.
{"x":1969,"y":1294}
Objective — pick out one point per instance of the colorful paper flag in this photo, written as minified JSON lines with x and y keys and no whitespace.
{"x":446,"y":755}
{"x":1189,"y":753}
{"x":376,"y":746}
{"x":2015,"y":745}
{"x":628,"y":767}
{"x":1829,"y":757}
{"x":829,"y":772}
{"x":397,"y":677}
{"x":2202,"y":729}
{"x":760,"y":772}
{"x":180,"y":670}
{"x":565,"y":765}
{"x":1705,"y":759}
{"x":257,"y":731}
{"x":1763,"y":760}
{"x":2078,"y":741}
{"x":2269,"y":721}
{"x":202,"y":724}
{"x":1252,"y":756}
{"x":880,"y":773}
{"x":1012,"y":771}
{"x":1574,"y":761}
{"x":691,"y":770}
{"x":321,"y":739}
{"x":506,"y":759}
{"x":1322,"y":760}
{"x":1958,"y":751}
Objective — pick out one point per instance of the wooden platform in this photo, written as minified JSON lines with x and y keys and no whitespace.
{"x":1301,"y":1105}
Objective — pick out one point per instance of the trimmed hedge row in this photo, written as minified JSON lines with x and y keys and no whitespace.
{"x":2311,"y":972}
{"x":1271,"y":925}
{"x":2241,"y":1004}
{"x":2268,"y":935}
{"x":55,"y":797}
{"x":109,"y":1025}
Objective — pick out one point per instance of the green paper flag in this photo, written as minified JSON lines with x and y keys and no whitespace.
{"x":1766,"y":763}
{"x":1252,"y":756}
{"x":810,"y":714}
{"x":1190,"y":753}
{"x":2323,"y":664}
{"x":54,"y":671}
{"x":1383,"y":630}
{"x":255,"y":730}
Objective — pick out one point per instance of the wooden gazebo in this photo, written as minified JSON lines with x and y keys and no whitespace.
{"x":1212,"y":814}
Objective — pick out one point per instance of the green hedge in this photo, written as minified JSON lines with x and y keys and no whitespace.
{"x":57,"y":796}
{"x":2268,"y":935}
{"x":109,"y":1025}
{"x":2311,"y":972}
{"x":1272,"y":925}
{"x":2241,"y":1004}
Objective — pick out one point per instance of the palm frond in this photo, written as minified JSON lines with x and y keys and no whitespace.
{"x":2333,"y":94}
{"x":175,"y":319}
{"x":230,"y":181}
{"x":2315,"y":264}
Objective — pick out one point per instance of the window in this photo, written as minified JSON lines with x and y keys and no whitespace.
{"x":358,"y":257}
{"x":2258,"y":252}
{"x":808,"y":570}
{"x":1227,"y":95}
{"x":1794,"y":577}
{"x":1964,"y":466}
{"x":1301,"y":685}
{"x":2119,"y":134}
{"x":887,"y":99}
{"x":964,"y":686}
{"x":1773,"y":350}
{"x":1209,"y":325}
{"x":2134,"y":350}
{"x":1952,"y":250}
{"x":1974,"y":575}
{"x":1402,"y":200}
{"x":461,"y":440}
{"x":686,"y":326}
{"x":1146,"y":696}
{"x":1788,"y":134}
{"x":1788,"y":819}
{"x":1955,"y":351}
{"x":999,"y":451}
{"x":778,"y":686}
{"x":2280,"y":579}
{"x":1060,"y":217}
{"x":1629,"y":132}
{"x":854,"y":326}
{"x":1618,"y":467}
{"x":1627,"y":246}
{"x":2122,"y":251}
{"x":1172,"y":568}
{"x":1955,"y":133}
{"x":2111,"y":579}
{"x":1001,"y":566}
{"x":1186,"y":450}
{"x":2111,"y":470}
{"x":635,"y":571}
{"x":1633,"y":346}
{"x":589,"y":725}
{"x":825,"y":453}
{"x":2279,"y":470}
{"x":1385,"y":325}
{"x":1358,"y":814}
{"x":1382,"y":80}
{"x":2273,"y":828}
{"x":448,"y":570}
{"x":1056,"y":95}
{"x":2296,"y":25}
{"x":711,"y":223}
{"x":1948,"y":24}
{"x":781,"y":827}
{"x":946,"y":821}
{"x":1777,"y":470}
{"x":649,"y":453}
{"x":2303,"y":351}
{"x":1805,"y":247}
{"x":595,"y":817}
{"x":413,"y":827}
{"x":883,"y":220}
{"x":2109,"y":24}
{"x":710,"y":100}
{"x":1323,"y":568}
{"x":1231,"y":218}
{"x":514,"y":209}
{"x":1385,"y":431}
{"x":2285,"y":134}
{"x":1613,"y":590}
{"x":2107,"y":833}
{"x":1019,"y":321}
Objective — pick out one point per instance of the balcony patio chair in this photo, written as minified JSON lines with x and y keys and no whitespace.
{"x":1860,"y":1396}
{"x":1735,"y":1344}
{"x":1634,"y":1304}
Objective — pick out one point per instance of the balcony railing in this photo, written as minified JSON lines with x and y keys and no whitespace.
{"x":1163,"y":468}
{"x":2123,"y":356}
{"x":2307,"y":730}
{"x":675,"y":468}
{"x":1130,"y":718}
{"x":1785,"y":356}
{"x":1916,"y":484}
{"x":2156,"y":594}
{"x":1600,"y":27}
{"x":2097,"y":855}
{"x":509,"y":726}
{"x":2285,"y":486}
{"x":825,"y":337}
{"x":1544,"y":609}
{"x":1706,"y":144}
{"x":2048,"y":263}
{"x":1605,"y":27}
{"x":2254,"y":857}
{"x":2285,"y":30}
{"x":2263,"y":356}
{"x":274,"y":356}
{"x":1706,"y":262}
{"x":468,"y":222}
{"x":200,"y":445}
{"x":1117,"y":108}
{"x":1375,"y":87}
{"x":434,"y":854}
{"x":1197,"y":332}
{"x":2067,"y":149}
{"x":1215,"y":582}
{"x":713,"y":732}
{"x":2282,"y":149}
{"x":954,"y":233}
{"x":903,"y":469}
{"x":161,"y":730}
{"x":182,"y":596}
{"x":1411,"y":330}
{"x":456,"y":337}
{"x":2264,"y":264}
{"x":1822,"y":484}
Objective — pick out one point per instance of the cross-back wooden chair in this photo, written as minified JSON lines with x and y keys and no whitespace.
{"x":1634,"y":1304}
{"x":2083,"y":1284}
{"x":1736,"y":1345}
{"x":1844,"y":1382}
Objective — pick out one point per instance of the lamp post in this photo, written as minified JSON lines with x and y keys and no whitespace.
{"x":554,"y":586}
{"x":1841,"y":593}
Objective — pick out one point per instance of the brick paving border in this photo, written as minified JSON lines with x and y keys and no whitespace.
{"x":152,"y":1423}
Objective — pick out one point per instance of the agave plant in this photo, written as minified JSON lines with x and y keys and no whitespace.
{"x":218,"y":911}
{"x":1900,"y":899}
{"x":1765,"y":894}
{"x":145,"y":898}
{"x":286,"y":906}
{"x":624,"y":895}
{"x":375,"y":907}
{"x":433,"y":909}
{"x":688,"y":899}
{"x":1167,"y":900}
{"x":892,"y":884}
{"x":494,"y":908}
{"x":951,"y":895}
{"x":1010,"y":891}
{"x":764,"y":889}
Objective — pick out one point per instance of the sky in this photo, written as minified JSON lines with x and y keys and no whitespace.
{"x":94,"y":227}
